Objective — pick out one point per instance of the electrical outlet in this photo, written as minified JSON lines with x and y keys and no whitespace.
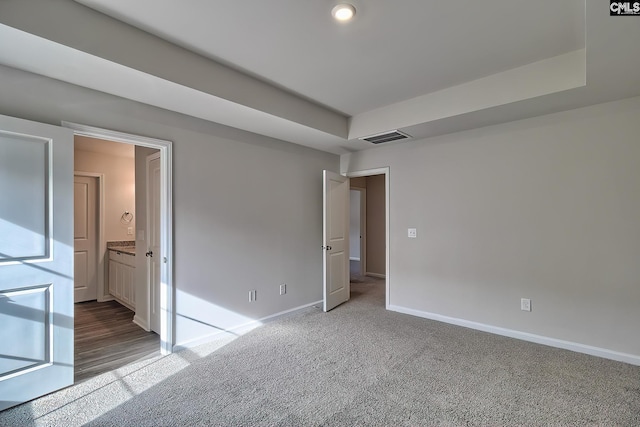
{"x":525,"y":304}
{"x":412,"y":233}
{"x":283,"y":289}
{"x":130,"y":231}
{"x":253,"y":295}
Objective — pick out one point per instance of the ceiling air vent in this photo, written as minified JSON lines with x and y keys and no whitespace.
{"x":381,"y":138}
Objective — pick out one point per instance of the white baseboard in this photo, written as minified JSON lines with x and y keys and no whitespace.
{"x":240,"y":329}
{"x":378,"y":275}
{"x":354,"y":259}
{"x":140,"y":322}
{"x":525,"y":336}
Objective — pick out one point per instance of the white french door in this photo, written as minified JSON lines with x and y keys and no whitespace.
{"x":36,"y":260}
{"x":335,"y":243}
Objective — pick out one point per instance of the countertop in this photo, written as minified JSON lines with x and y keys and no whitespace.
{"x":129,"y":250}
{"x":125,"y":247}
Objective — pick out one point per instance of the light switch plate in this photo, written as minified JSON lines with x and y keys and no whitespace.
{"x":412,"y":233}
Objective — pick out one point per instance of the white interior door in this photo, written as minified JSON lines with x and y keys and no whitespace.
{"x":153,"y":233}
{"x":36,"y":260}
{"x":335,"y":243}
{"x":85,"y":238}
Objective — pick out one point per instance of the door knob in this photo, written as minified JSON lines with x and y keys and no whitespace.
{"x":149,"y":254}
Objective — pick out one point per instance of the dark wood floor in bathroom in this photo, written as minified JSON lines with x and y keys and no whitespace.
{"x":106,"y":338}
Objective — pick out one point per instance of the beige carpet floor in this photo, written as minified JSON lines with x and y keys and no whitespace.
{"x":358,"y":365}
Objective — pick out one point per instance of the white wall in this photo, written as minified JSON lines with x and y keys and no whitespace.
{"x":247,"y":209}
{"x":546,"y":208}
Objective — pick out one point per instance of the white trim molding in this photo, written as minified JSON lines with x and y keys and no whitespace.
{"x":138,"y":320}
{"x":525,"y":336}
{"x":376,"y":275}
{"x":243,"y":328}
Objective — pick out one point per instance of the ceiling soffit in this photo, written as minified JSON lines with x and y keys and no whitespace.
{"x":209,"y":90}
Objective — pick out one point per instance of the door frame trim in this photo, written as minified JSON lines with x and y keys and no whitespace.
{"x":102,"y":296}
{"x":386,"y":172}
{"x":167,"y":290}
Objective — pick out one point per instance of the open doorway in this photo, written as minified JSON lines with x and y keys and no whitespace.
{"x":368,"y":232}
{"x":336,"y":231}
{"x":118,"y":321}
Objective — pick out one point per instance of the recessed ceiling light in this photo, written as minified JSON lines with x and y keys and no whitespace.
{"x":343,"y":12}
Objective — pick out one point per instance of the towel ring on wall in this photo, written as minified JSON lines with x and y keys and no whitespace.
{"x":126,"y":217}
